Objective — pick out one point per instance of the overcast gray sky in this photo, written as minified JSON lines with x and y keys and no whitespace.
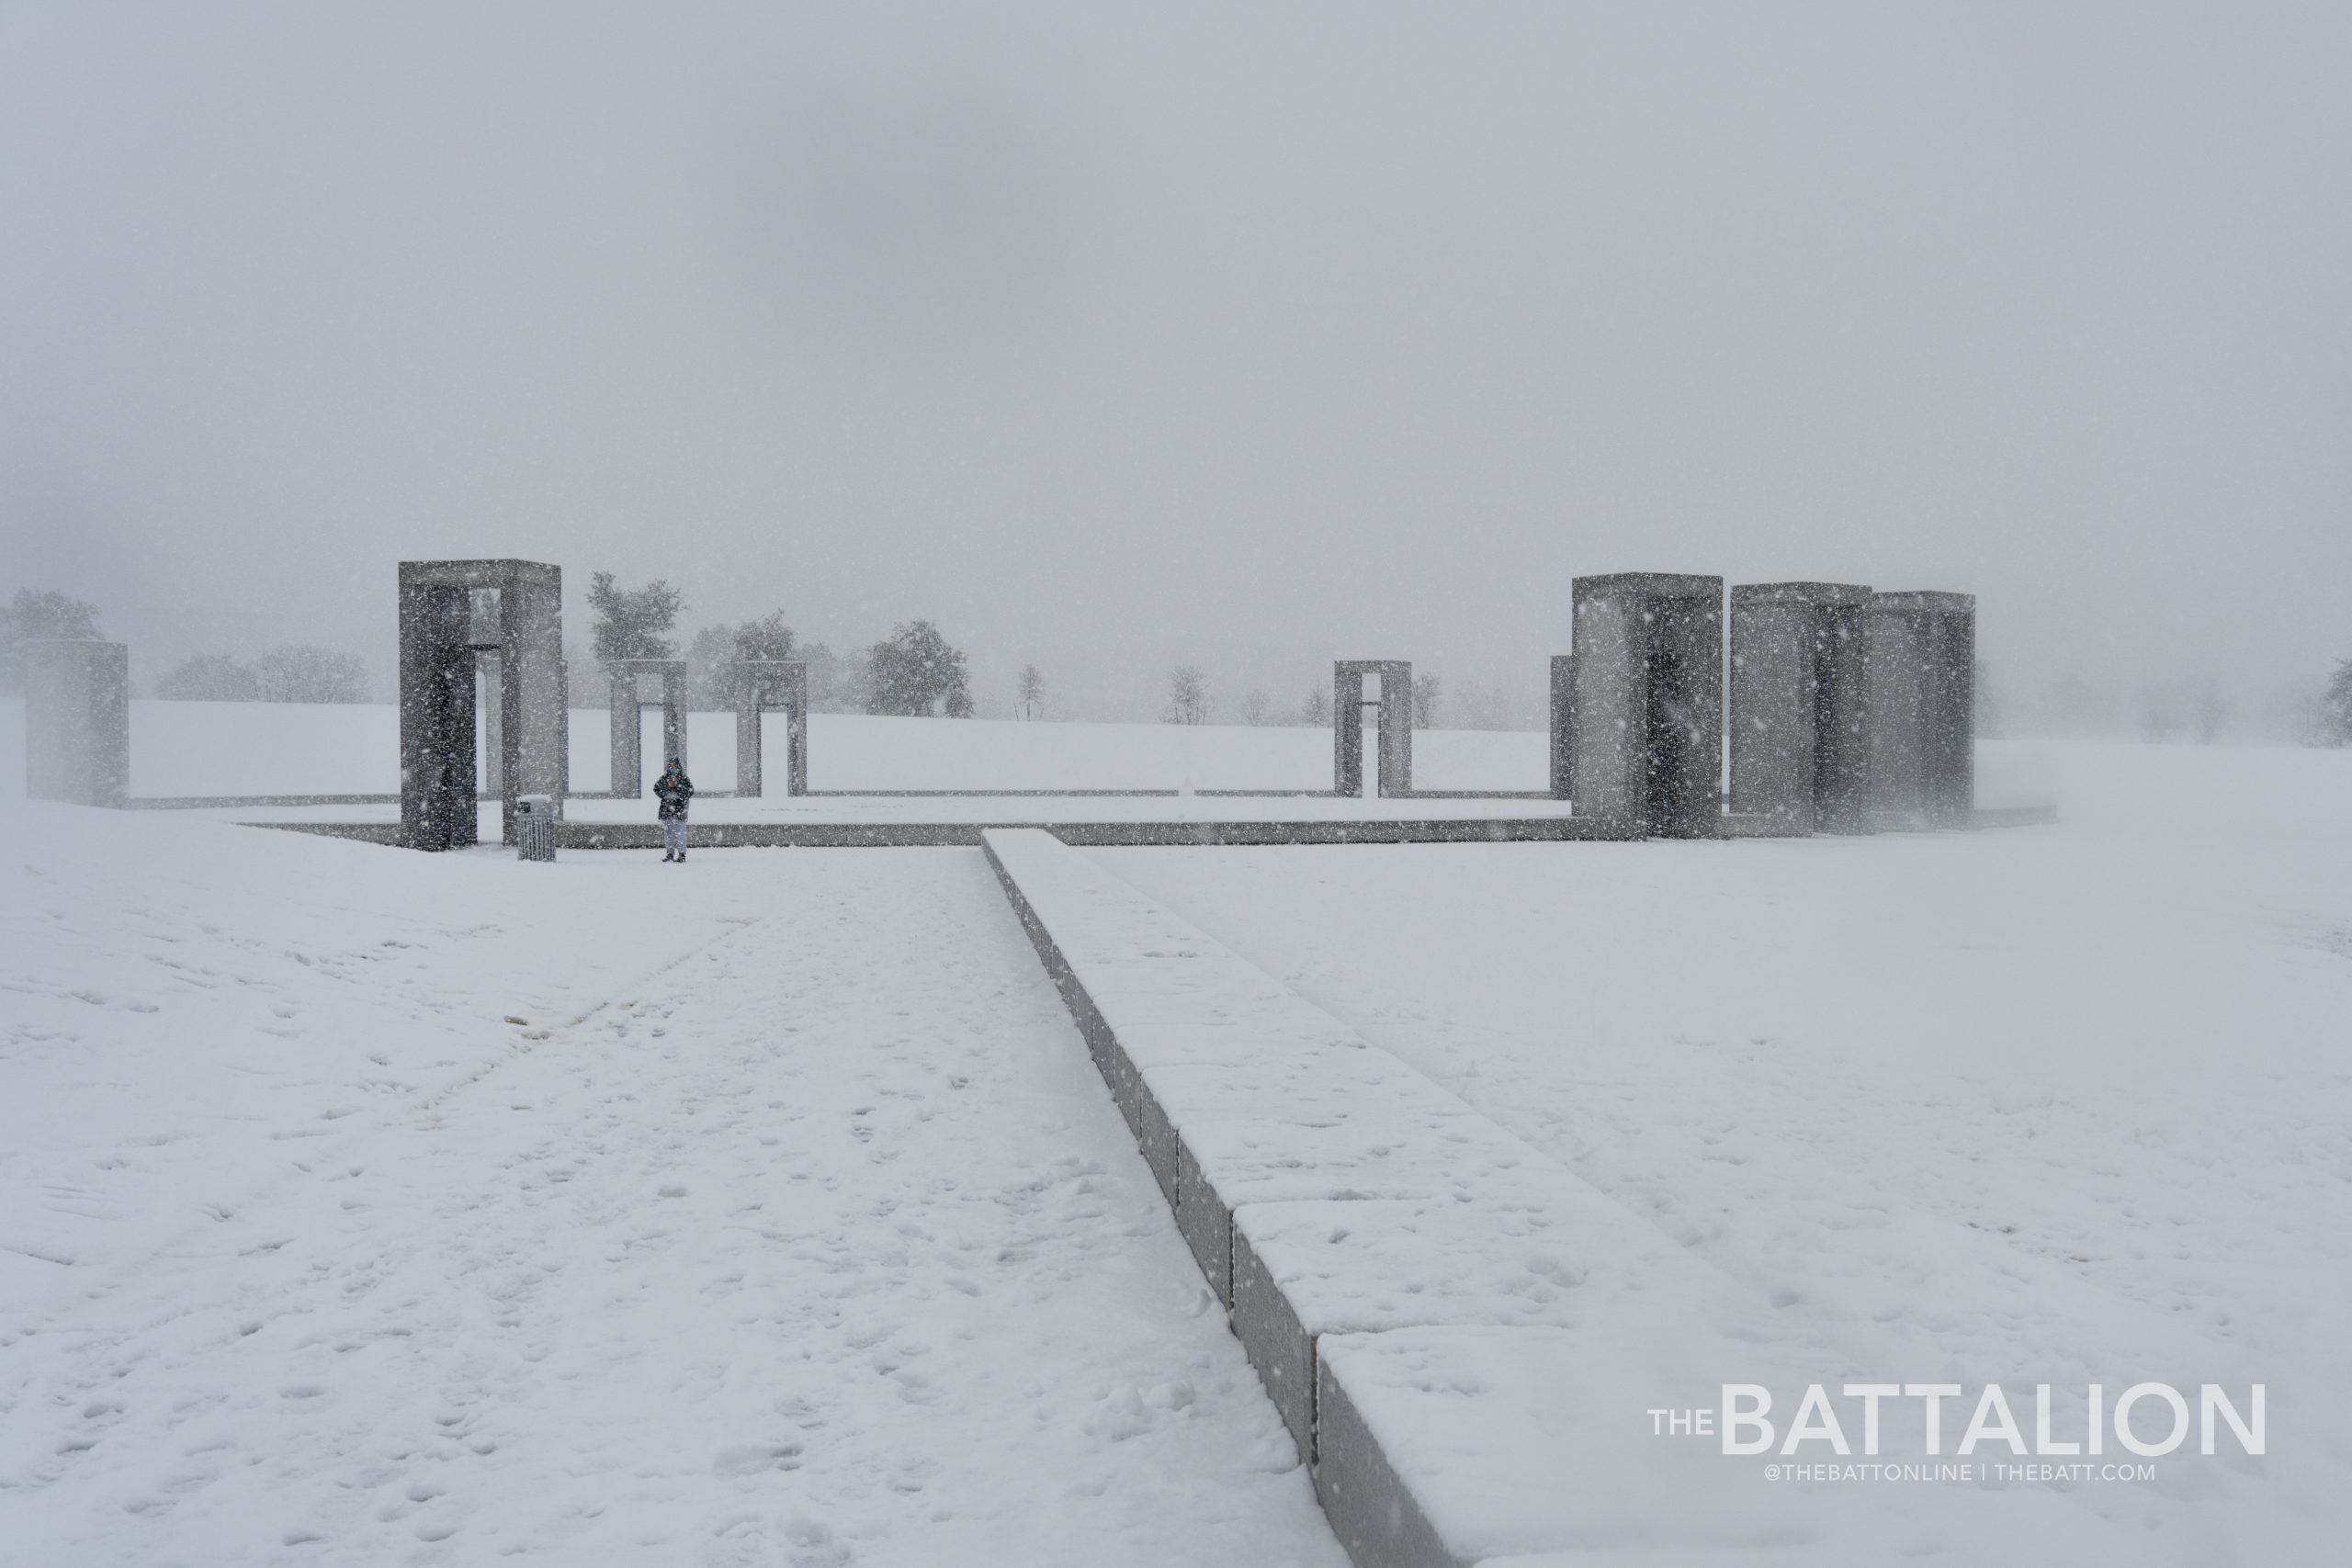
{"x":1255,"y":336}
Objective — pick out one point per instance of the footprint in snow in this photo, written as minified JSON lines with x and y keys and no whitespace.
{"x":756,"y":1459}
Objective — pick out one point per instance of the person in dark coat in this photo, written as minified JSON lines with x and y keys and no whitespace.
{"x":673,"y":789}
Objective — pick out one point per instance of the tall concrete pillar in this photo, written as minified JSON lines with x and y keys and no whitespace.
{"x":77,"y":721}
{"x":535,"y":707}
{"x":1395,"y":738}
{"x":1919,"y":652}
{"x":1798,"y":746}
{"x":504,"y":616}
{"x":627,"y":746}
{"x":437,"y":779}
{"x":772,"y":683}
{"x":674,"y":716}
{"x":1645,"y":737}
{"x":1563,"y":706}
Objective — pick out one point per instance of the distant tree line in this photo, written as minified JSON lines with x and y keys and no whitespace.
{"x":299,"y":672}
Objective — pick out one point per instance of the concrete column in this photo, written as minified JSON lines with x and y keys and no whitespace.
{"x":535,"y":719}
{"x":1347,"y":730}
{"x":1646,"y":702}
{"x":797,"y":745}
{"x":747,"y":747}
{"x":505,"y":616}
{"x":673,"y":713}
{"x":1798,"y":744}
{"x":1563,"y":708}
{"x":628,"y":761}
{"x":437,"y":790}
{"x":768,"y":683}
{"x":1919,"y":651}
{"x":1395,"y":728}
{"x":77,"y":721}
{"x":1395,"y":738}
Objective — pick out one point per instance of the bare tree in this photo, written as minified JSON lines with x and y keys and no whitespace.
{"x":1317,"y":708}
{"x":1033,"y":692}
{"x":1256,"y":708}
{"x":1429,"y":692}
{"x":1188,"y":696}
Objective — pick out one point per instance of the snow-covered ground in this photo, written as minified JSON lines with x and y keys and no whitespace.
{"x":2068,"y":1104}
{"x":358,"y":1205}
{"x":364,"y":1207}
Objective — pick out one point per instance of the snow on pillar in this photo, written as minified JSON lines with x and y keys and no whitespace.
{"x":437,"y":808}
{"x":772,"y":683}
{"x":535,"y":716}
{"x":628,"y":761}
{"x":1563,"y":716}
{"x":1798,"y":743}
{"x":500,"y":615}
{"x":1395,"y":738}
{"x":1919,"y":651}
{"x":1645,"y":703}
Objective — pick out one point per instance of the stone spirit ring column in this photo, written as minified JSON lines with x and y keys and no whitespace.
{"x":1395,"y":761}
{"x":1798,"y":746}
{"x":1921,"y":653}
{"x":629,"y":759}
{"x":442,"y":636}
{"x":772,"y":683}
{"x":1645,"y":737}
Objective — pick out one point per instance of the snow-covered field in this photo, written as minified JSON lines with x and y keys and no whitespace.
{"x":364,"y":1207}
{"x":2064,"y":1105}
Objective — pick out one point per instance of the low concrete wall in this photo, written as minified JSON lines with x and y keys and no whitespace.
{"x":1106,"y":835}
{"x":835,"y":835}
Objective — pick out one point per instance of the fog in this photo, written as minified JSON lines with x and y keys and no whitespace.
{"x":1248,"y":336}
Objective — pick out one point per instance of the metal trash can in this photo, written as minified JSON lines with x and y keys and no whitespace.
{"x":535,"y":827}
